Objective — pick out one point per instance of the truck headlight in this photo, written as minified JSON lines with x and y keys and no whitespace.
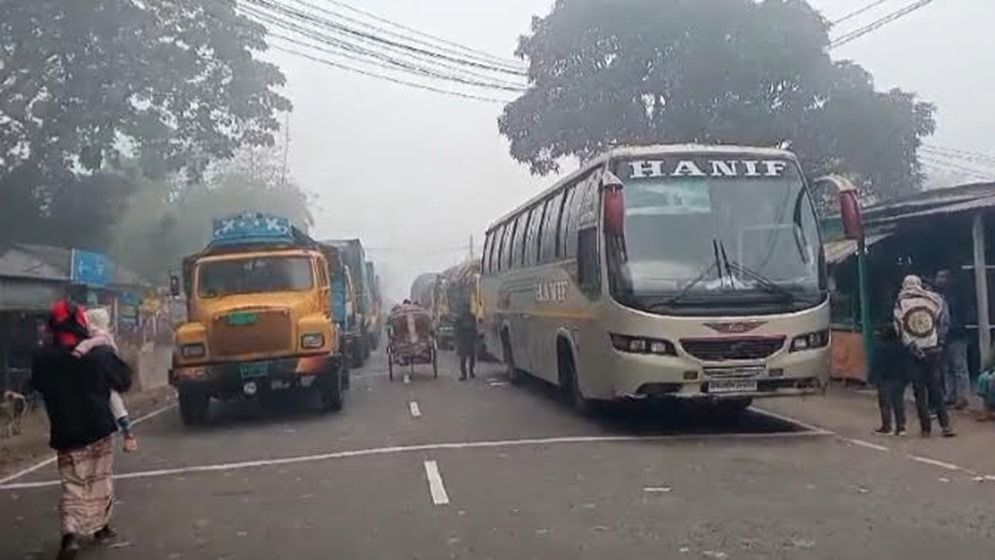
{"x":196,"y":350}
{"x":810,"y":341}
{"x":312,"y":341}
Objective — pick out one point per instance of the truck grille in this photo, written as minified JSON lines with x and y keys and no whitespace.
{"x":269,"y":332}
{"x":723,"y":349}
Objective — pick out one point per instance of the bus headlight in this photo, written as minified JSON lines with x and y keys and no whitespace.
{"x":192,"y":351}
{"x":642,"y":345}
{"x":312,"y":341}
{"x":810,"y":341}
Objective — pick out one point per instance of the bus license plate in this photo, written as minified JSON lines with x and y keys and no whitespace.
{"x":733,"y":386}
{"x":254,"y":370}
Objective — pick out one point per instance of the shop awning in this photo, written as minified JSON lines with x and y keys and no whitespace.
{"x":839,"y":251}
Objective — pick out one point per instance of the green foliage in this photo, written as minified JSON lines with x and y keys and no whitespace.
{"x":167,"y":221}
{"x":171,"y":84}
{"x":608,"y":72}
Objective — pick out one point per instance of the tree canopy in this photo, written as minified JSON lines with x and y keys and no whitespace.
{"x":608,"y":72}
{"x":166,"y":221}
{"x":171,"y":84}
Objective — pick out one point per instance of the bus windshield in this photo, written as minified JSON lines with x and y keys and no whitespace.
{"x":254,"y":275}
{"x":722,"y":230}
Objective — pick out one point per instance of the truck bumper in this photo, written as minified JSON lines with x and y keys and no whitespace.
{"x":231,"y":378}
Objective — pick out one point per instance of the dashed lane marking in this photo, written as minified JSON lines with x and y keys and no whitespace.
{"x":527,"y":442}
{"x":46,"y":462}
{"x":435,"y":485}
{"x":866,"y":444}
{"x":810,"y":427}
{"x":415,"y":410}
{"x":935,"y":463}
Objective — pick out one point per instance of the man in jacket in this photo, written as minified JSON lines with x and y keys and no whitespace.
{"x":466,"y":343}
{"x":922,"y":319}
{"x":76,"y":392}
{"x":956,"y":379}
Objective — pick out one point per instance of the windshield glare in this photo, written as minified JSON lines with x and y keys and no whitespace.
{"x":255,"y":275}
{"x":681,"y":231}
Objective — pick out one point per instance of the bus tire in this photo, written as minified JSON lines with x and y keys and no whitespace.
{"x":569,"y":384}
{"x":195,"y":405}
{"x":515,"y":376}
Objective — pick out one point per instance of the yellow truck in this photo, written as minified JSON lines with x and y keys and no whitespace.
{"x":260,"y":318}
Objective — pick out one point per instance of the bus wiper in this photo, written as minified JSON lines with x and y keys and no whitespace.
{"x":763,"y":281}
{"x":717,"y":266}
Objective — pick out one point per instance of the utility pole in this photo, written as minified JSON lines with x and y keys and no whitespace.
{"x":286,"y":148}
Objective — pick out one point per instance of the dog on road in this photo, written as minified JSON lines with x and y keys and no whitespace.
{"x":13,"y":406}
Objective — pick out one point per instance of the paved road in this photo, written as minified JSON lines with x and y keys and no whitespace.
{"x":487,"y":470}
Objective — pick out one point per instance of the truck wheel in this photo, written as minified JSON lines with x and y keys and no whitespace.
{"x":331,"y":391}
{"x":346,"y":376}
{"x":195,"y":405}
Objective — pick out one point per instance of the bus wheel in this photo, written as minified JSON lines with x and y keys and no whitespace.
{"x":570,"y":386}
{"x":515,"y":376}
{"x":195,"y":405}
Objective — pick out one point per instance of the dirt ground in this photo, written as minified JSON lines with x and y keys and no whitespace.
{"x":32,"y":444}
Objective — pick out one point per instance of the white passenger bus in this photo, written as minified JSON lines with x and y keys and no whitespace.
{"x":667,"y":271}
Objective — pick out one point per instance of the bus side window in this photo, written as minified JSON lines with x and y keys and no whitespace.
{"x":550,"y":229}
{"x":502,"y":247}
{"x":566,"y":246}
{"x":588,"y":263}
{"x":514,"y":248}
{"x":485,"y":260}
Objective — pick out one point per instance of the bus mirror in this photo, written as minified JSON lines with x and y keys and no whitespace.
{"x":853,"y":226}
{"x":614,"y":204}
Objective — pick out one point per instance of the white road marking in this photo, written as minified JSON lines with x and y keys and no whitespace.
{"x":935,"y":463}
{"x":657,"y":489}
{"x":528,"y":442}
{"x":783,"y":418}
{"x":435,"y":485}
{"x":415,"y":411}
{"x":46,"y":462}
{"x":866,"y":444}
{"x":407,"y":378}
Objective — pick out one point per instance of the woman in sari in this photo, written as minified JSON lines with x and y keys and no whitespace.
{"x":76,"y":392}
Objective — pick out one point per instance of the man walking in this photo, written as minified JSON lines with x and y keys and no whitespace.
{"x":466,"y":343}
{"x":922,"y":319}
{"x":956,"y":379}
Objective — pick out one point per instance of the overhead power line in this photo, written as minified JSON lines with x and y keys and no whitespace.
{"x":415,"y":36}
{"x":966,"y":155}
{"x":304,"y":16}
{"x":392,"y":79}
{"x":878,"y":23}
{"x":948,"y":166}
{"x":858,"y":12}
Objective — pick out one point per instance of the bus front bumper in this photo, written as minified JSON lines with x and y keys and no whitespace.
{"x":782,"y":375}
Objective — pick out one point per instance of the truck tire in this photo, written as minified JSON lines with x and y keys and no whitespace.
{"x":195,"y":405}
{"x":331,"y":391}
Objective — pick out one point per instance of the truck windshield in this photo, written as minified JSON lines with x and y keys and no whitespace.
{"x":735,"y":230}
{"x":254,"y":275}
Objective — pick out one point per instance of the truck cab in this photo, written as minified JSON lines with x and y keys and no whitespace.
{"x":259,"y":318}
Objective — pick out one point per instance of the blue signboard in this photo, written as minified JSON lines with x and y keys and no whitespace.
{"x":251,"y":227}
{"x":128,"y":311}
{"x":91,"y":269}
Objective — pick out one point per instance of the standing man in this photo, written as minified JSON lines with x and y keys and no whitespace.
{"x":922,"y":319}
{"x":466,"y":342}
{"x":956,"y":379}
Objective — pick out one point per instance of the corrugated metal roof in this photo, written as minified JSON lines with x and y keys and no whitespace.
{"x":839,"y":251}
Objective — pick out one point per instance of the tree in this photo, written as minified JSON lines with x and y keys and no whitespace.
{"x":168,"y":220}
{"x":172,"y":84}
{"x":607,"y":72}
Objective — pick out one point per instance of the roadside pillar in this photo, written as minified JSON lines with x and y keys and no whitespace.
{"x":981,"y":288}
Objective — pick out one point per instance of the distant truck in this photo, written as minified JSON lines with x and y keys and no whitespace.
{"x":376,"y":322}
{"x":354,"y":257}
{"x":260,"y":318}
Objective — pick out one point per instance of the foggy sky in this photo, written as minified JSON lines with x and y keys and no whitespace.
{"x":414,"y":173}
